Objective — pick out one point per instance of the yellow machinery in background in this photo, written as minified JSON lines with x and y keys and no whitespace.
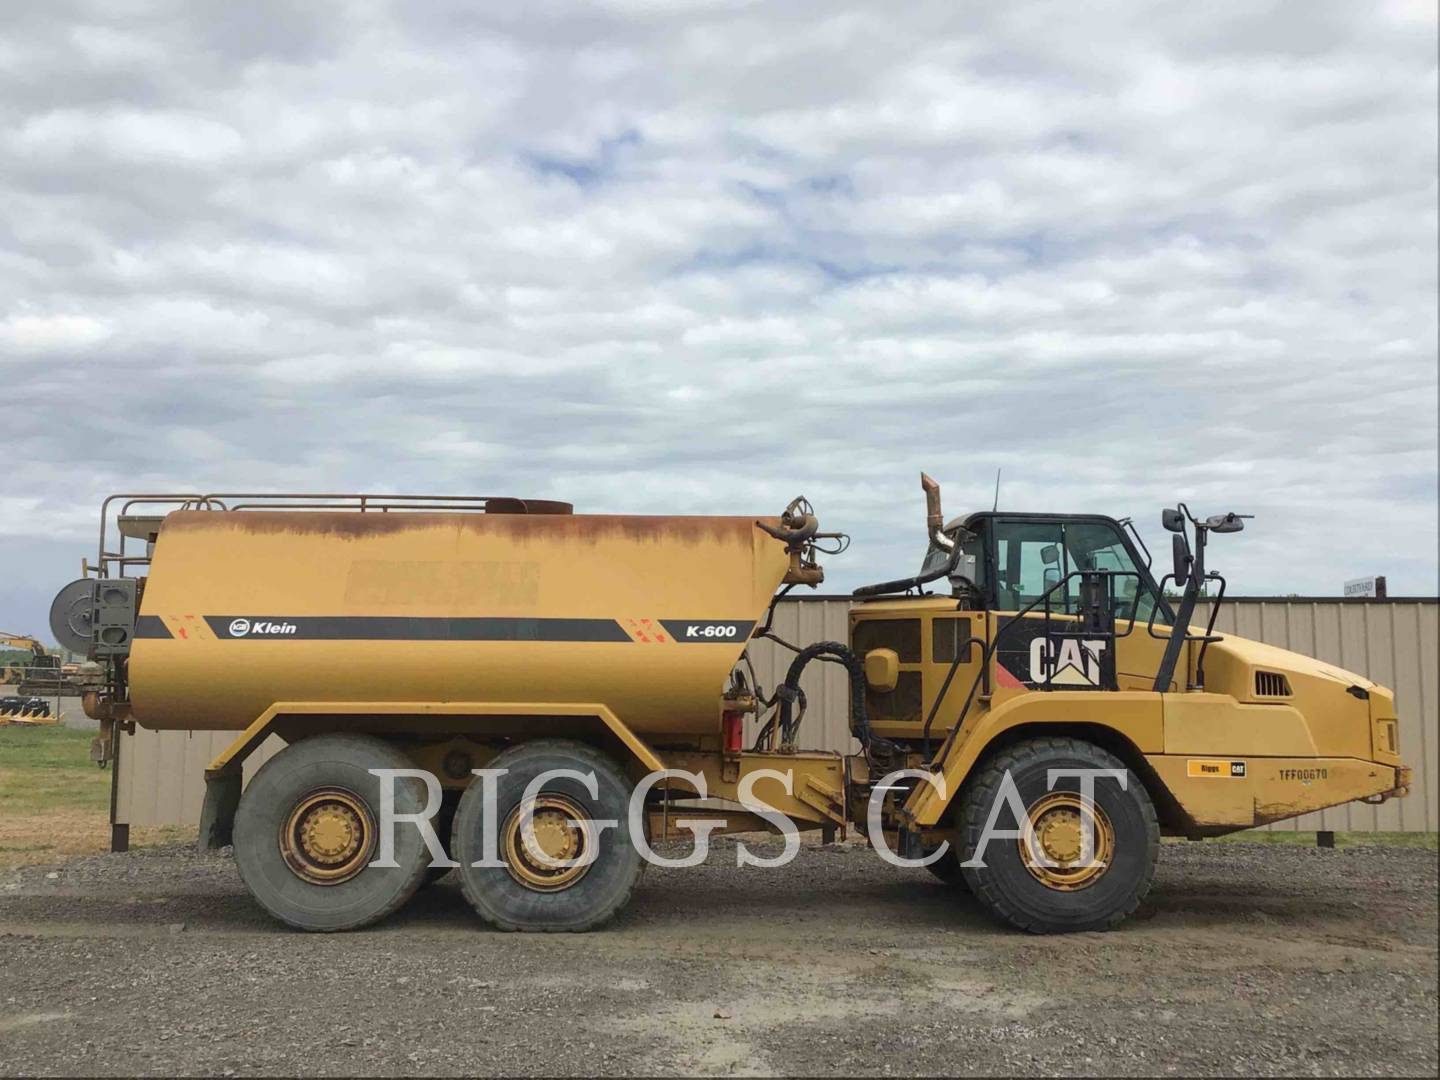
{"x":11,"y":674}
{"x":23,"y":708}
{"x":46,"y":674}
{"x":1030,"y":656}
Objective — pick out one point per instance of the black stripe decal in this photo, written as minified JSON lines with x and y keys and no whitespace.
{"x":151,"y":626}
{"x":406,"y":628}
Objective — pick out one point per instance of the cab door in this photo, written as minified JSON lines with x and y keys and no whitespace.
{"x":1100,"y":544}
{"x":1033,"y":555}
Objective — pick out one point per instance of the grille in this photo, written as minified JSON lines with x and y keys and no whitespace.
{"x":1271,"y":684}
{"x":902,"y":635}
{"x":902,"y":703}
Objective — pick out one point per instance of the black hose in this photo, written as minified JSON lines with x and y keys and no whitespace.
{"x":764,"y":630}
{"x":789,"y":691}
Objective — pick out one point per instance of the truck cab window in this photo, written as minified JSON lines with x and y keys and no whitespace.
{"x":1029,"y":560}
{"x":1032,"y":556}
{"x":1097,"y":546}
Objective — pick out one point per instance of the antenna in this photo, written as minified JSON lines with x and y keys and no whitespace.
{"x":997,"y":492}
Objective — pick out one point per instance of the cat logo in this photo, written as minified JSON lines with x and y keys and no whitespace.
{"x":1215,"y":770}
{"x":1067,"y":661}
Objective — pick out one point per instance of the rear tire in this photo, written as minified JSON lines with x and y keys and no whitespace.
{"x":1074,"y":893}
{"x":524,"y":894}
{"x":305,"y":834}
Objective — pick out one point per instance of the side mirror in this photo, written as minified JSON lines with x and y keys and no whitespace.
{"x":1050,"y":554}
{"x":1225,"y":523}
{"x":882,"y":669}
{"x":1172,"y":520}
{"x":1181,"y":552}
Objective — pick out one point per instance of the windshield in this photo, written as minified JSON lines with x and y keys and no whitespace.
{"x":1033,"y":556}
{"x":1092,"y":546}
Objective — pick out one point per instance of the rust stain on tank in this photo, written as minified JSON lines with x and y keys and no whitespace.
{"x":515,"y":528}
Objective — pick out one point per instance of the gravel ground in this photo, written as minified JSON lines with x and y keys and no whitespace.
{"x":1248,"y":959}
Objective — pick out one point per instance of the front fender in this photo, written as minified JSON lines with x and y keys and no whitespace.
{"x":1136,"y":715}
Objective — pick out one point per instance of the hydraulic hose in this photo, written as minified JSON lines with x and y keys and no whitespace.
{"x":789,"y":691}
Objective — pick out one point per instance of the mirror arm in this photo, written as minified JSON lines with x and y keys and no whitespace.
{"x":1179,"y":634}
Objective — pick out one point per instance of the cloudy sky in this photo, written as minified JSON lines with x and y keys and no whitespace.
{"x":700,"y":256}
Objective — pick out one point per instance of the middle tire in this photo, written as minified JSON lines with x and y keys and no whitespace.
{"x":528,"y":892}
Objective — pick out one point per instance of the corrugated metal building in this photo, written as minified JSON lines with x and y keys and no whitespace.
{"x":1394,"y":642}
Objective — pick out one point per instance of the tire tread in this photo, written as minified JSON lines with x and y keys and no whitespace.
{"x":593,"y":757}
{"x":361,"y":744}
{"x":986,"y":789}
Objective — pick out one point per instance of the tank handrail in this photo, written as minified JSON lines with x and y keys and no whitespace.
{"x":270,"y":500}
{"x":367,"y":497}
{"x":101,"y":555}
{"x":368,"y":507}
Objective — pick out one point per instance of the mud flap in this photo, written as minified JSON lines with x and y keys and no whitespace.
{"x":217,"y":815}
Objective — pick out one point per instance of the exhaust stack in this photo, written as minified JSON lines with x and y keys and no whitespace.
{"x":934,"y":519}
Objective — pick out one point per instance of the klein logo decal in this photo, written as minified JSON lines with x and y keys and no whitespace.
{"x":1067,"y":660}
{"x":260,"y":627}
{"x":1216,"y":770}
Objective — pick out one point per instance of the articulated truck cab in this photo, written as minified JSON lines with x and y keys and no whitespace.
{"x":530,"y":696}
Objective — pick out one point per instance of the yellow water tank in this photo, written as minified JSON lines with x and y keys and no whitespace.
{"x":646,"y":615}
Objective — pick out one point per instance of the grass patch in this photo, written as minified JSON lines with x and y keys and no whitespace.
{"x":55,"y":802}
{"x":49,"y":768}
{"x":1428,"y":841}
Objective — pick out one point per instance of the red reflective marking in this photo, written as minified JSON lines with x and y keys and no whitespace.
{"x":1004,"y":678}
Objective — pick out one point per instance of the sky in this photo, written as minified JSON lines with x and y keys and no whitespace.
{"x":701,"y":257}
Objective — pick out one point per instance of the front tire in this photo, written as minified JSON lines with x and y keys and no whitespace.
{"x":524,"y":892}
{"x":1055,"y":885}
{"x":306,"y":834}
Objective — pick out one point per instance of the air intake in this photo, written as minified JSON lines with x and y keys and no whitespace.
{"x":1271,"y":684}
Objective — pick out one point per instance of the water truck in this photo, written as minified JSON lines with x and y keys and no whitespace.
{"x":1031,"y":711}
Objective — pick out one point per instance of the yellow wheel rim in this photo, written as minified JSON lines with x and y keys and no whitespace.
{"x":561,"y":832}
{"x":328,"y":836}
{"x":1054,"y":847}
